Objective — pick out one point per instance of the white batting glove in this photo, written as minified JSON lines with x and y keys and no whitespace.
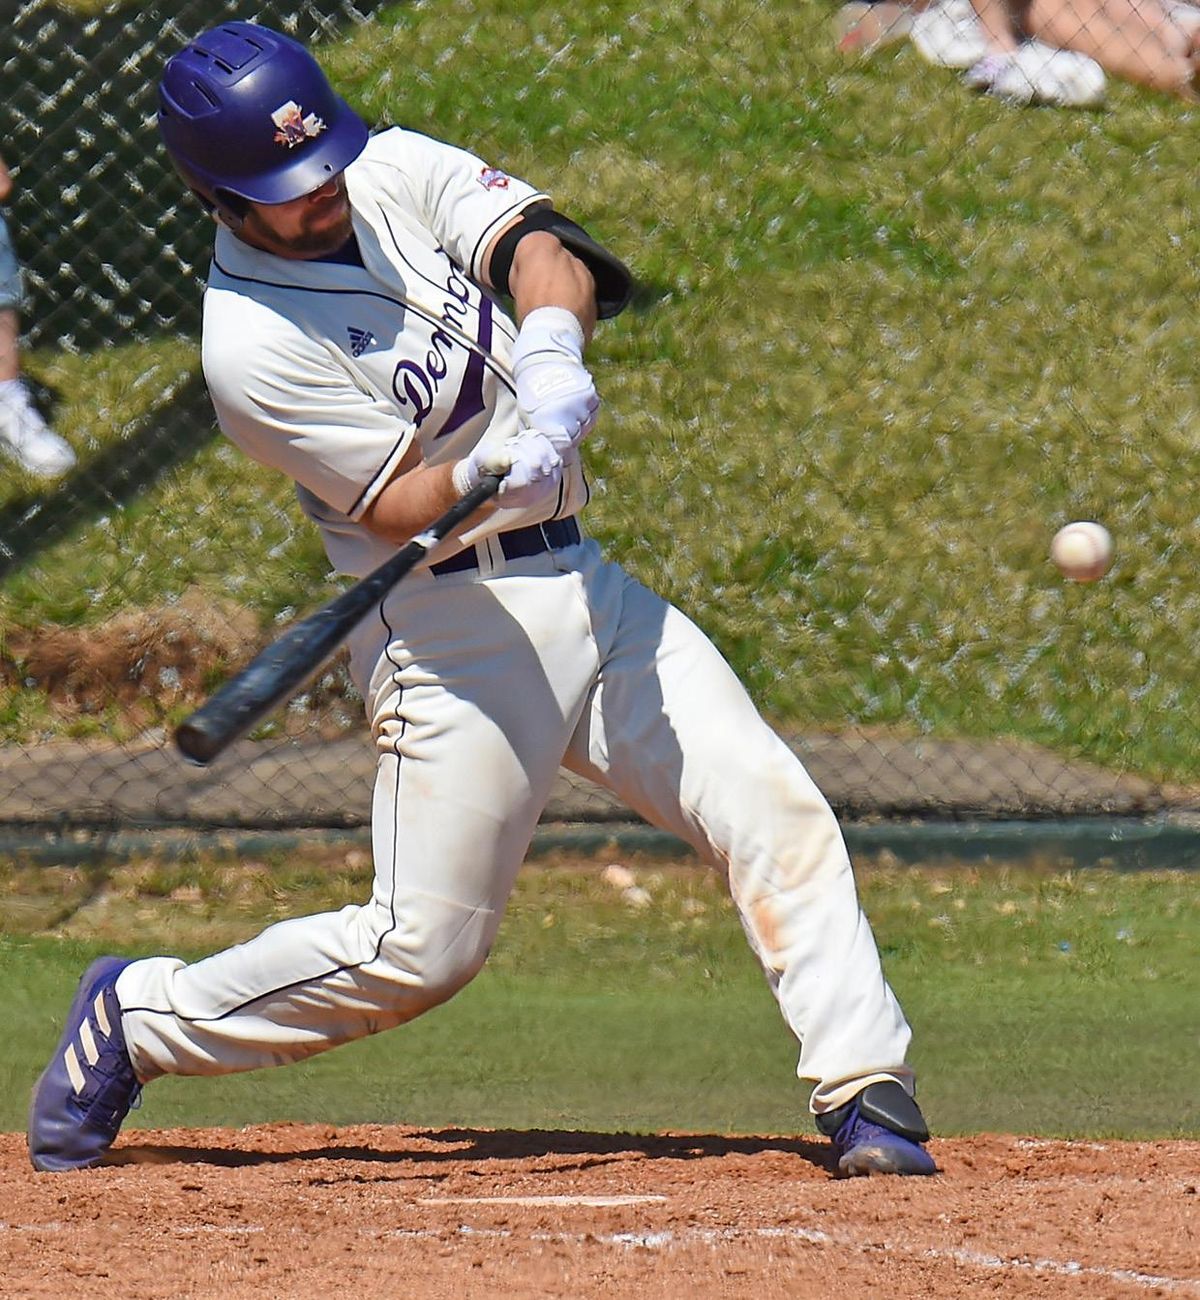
{"x":555,"y":392}
{"x":528,"y":463}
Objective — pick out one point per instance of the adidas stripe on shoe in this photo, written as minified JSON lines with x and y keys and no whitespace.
{"x":84,"y":1094}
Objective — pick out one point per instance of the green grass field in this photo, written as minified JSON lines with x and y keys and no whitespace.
{"x":1042,"y":1003}
{"x":891,"y":336}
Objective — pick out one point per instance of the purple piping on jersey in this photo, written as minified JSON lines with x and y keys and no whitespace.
{"x":488,"y":362}
{"x":469,"y":402}
{"x":493,"y":365}
{"x":466,"y":393}
{"x":519,"y":206}
{"x":429,"y":280}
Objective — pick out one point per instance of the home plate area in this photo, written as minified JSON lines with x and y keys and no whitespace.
{"x":294,"y":1210}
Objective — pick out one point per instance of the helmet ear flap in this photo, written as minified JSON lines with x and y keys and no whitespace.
{"x":231,"y":208}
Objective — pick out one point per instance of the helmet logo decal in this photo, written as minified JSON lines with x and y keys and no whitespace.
{"x":294,"y":127}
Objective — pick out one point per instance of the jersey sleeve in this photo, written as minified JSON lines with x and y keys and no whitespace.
{"x":462,"y":200}
{"x":287,"y":403}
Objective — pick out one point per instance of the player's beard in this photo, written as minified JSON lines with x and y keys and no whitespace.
{"x":321,"y":228}
{"x":319,"y":235}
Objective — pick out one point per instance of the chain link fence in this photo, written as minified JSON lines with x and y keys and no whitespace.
{"x":114,"y":257}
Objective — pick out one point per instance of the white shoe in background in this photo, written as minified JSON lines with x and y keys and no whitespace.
{"x":26,"y":437}
{"x":1040,"y":74}
{"x":950,"y":35}
{"x":1184,"y":16}
{"x":984,"y":74}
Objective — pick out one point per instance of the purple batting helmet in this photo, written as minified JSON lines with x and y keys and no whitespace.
{"x":247,"y":114}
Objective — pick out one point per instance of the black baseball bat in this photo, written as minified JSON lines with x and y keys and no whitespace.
{"x":305,"y":646}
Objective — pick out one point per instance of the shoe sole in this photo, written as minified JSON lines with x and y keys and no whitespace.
{"x":87,"y":983}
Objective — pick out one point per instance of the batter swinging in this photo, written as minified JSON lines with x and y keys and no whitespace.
{"x":353,"y":339}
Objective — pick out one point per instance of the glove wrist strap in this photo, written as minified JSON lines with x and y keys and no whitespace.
{"x":549,"y":329}
{"x":464,"y":476}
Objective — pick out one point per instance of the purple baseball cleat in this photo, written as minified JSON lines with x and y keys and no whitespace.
{"x":87,"y":1089}
{"x":879,"y":1132}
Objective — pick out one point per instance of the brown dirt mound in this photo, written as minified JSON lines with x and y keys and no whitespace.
{"x":313,"y":1211}
{"x":141,"y":663}
{"x":172,"y":651}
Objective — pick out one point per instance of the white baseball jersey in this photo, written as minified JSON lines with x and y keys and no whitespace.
{"x":481,"y":680}
{"x":329,"y":371}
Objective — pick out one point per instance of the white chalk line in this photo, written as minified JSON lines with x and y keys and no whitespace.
{"x":813,"y":1236}
{"x":701,"y":1236}
{"x":596,"y":1201}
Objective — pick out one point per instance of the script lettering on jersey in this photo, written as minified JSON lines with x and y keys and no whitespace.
{"x":416,"y":384}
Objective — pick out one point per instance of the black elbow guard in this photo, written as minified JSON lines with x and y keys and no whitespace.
{"x":614,"y":281}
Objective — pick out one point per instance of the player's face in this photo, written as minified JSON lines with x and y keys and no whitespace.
{"x":313,"y":225}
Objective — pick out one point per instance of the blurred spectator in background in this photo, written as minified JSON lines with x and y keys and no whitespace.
{"x":1151,"y":42}
{"x":23,"y":433}
{"x":1039,"y":51}
{"x":864,"y":25}
{"x":987,"y":47}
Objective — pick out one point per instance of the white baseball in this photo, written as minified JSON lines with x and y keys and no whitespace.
{"x":1082,"y":550}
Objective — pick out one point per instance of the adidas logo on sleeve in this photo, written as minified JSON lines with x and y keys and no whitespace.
{"x":360,"y":340}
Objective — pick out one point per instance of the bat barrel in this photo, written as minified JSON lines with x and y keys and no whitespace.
{"x":304,"y":647}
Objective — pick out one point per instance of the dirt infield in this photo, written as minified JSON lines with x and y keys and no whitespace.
{"x":312,"y":1211}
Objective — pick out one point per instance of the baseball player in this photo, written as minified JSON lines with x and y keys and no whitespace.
{"x":354,"y":338}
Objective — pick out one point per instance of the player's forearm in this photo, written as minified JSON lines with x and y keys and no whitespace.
{"x":412,"y":499}
{"x":545,"y":274}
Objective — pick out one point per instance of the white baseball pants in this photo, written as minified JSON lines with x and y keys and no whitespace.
{"x":483,"y":685}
